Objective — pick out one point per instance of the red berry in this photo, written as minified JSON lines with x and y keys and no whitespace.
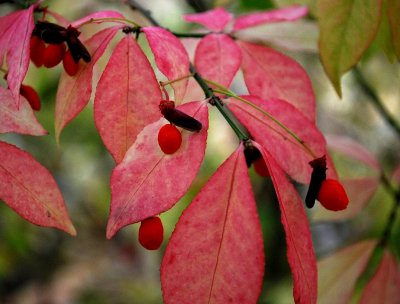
{"x":260,"y":167}
{"x":53,"y":54}
{"x":37,"y":48}
{"x":151,"y":233}
{"x":70,"y":66}
{"x":169,"y":139}
{"x":332,"y":195}
{"x":30,"y":94}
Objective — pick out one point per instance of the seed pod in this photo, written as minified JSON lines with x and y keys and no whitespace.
{"x":169,"y":139}
{"x":176,"y":117}
{"x":50,"y":32}
{"x":77,"y":49}
{"x":318,"y":175}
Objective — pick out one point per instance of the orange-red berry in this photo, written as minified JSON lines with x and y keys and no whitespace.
{"x":53,"y":54}
{"x":151,"y":233}
{"x":70,"y":66}
{"x":169,"y":139}
{"x":260,"y":167}
{"x":332,"y":195}
{"x":31,"y":95}
{"x":37,"y":48}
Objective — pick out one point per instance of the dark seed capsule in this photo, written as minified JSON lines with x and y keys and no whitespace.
{"x":318,"y":175}
{"x":251,"y":154}
{"x":182,"y":119}
{"x":50,"y":32}
{"x":76,"y":47}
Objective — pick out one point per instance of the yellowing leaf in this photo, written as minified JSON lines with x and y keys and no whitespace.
{"x":347,"y":28}
{"x":384,"y":287}
{"x":338,"y":273}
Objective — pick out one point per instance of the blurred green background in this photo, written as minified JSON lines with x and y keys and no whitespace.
{"x":42,"y":265}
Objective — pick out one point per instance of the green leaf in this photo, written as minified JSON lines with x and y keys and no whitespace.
{"x":347,"y":28}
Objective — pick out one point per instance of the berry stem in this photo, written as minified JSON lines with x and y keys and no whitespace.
{"x":164,"y":83}
{"x":111,"y":19}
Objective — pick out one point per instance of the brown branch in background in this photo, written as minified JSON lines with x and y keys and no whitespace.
{"x":376,"y":101}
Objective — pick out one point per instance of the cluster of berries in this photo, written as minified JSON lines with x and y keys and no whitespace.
{"x":48,"y":47}
{"x":51,"y":55}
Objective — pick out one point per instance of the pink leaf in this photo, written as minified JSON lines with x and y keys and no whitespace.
{"x":271,"y":74}
{"x":215,"y":254}
{"x":127,"y":97}
{"x":300,"y":250}
{"x":351,"y":148}
{"x":171,"y":57}
{"x":290,"y":13}
{"x":28,"y":188}
{"x":214,"y":20}
{"x":384,"y":287}
{"x":74,"y":92}
{"x":14,"y":41}
{"x":338,"y":273}
{"x":359,"y":191}
{"x":147,"y":181}
{"x":97,"y":15}
{"x":218,"y":58}
{"x":287,"y":151}
{"x":20,"y":120}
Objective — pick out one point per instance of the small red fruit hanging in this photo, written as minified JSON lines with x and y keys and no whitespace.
{"x":37,"y":48}
{"x":53,"y":54}
{"x":169,"y":139}
{"x":151,"y":233}
{"x":30,"y":94}
{"x":261,"y":167}
{"x":332,"y":195}
{"x":70,"y":66}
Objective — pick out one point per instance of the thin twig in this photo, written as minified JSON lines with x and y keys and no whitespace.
{"x":376,"y":101}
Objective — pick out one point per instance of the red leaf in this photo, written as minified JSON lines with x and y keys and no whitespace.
{"x":214,"y":20}
{"x":147,"y":181}
{"x":289,"y":13}
{"x":218,"y":58}
{"x":74,"y":92}
{"x":28,"y":188}
{"x":291,"y":156}
{"x":171,"y":57}
{"x":384,"y":287}
{"x":215,"y":254}
{"x":20,"y":120}
{"x":127,"y":97}
{"x":14,"y":42}
{"x":300,"y":250}
{"x":271,"y":74}
{"x":351,"y":148}
{"x":338,"y":273}
{"x":97,"y":15}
